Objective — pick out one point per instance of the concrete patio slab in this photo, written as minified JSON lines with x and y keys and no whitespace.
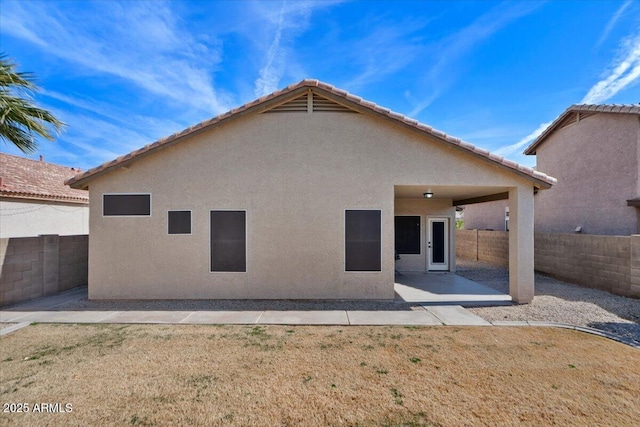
{"x":455,"y":315}
{"x":413,"y":317}
{"x":325,"y":317}
{"x":223,"y":317}
{"x":147,"y":317}
{"x":444,"y":288}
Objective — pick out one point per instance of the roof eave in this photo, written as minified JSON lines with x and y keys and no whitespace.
{"x":47,"y":198}
{"x":123,"y":161}
{"x":341,"y":97}
{"x":539,"y":183}
{"x":531,"y":149}
{"x":579,"y":108}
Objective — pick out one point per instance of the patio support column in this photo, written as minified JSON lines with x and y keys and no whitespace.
{"x":521,"y":276}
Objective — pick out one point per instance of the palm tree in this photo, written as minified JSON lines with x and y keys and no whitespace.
{"x":20,"y":120}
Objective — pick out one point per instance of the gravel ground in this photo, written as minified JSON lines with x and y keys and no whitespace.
{"x":558,"y":301}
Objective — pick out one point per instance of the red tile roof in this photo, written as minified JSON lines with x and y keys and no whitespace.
{"x":354,"y":102}
{"x":32,"y":179}
{"x":581,"y":108}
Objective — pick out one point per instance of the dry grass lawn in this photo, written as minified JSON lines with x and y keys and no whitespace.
{"x":277,"y":375}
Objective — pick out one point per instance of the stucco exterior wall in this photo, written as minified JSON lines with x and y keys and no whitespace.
{"x":596,"y":163}
{"x":294,"y":174}
{"x":485,"y":216}
{"x":32,"y":218}
{"x":426,"y":208}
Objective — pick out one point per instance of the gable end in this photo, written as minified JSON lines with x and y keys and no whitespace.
{"x":310,"y":102}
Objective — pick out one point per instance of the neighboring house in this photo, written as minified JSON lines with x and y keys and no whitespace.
{"x":34,"y":199}
{"x":296,"y":195}
{"x":487,"y":216}
{"x":594,"y":152}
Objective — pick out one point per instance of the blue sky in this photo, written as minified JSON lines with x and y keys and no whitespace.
{"x":123,"y":74}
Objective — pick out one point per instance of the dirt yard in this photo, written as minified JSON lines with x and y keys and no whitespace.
{"x":277,"y":375}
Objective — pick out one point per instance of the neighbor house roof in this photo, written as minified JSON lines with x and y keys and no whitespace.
{"x":576,"y":113}
{"x":332,"y":93}
{"x":22,"y":178}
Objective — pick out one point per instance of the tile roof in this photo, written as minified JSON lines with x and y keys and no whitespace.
{"x":354,"y":102}
{"x":581,"y":108}
{"x":32,"y":179}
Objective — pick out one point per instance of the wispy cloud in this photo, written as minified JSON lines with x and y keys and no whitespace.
{"x":147,"y":47}
{"x":93,"y":141}
{"x":291,"y":20}
{"x":450,"y":50}
{"x":612,"y":22}
{"x":383,"y":50}
{"x":508,"y":150}
{"x":273,"y":69}
{"x":157,"y":126}
{"x":624,"y":71}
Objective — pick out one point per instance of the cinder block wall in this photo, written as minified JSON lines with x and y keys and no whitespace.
{"x":601,"y":262}
{"x":31,"y":267}
{"x":467,"y":244}
{"x":610,"y":263}
{"x":493,"y":247}
{"x":73,"y":261}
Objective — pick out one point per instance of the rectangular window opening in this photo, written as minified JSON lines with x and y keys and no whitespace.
{"x":228,"y":241}
{"x":363,"y":240}
{"x":179,"y":222}
{"x":126,"y":204}
{"x":407,"y":230}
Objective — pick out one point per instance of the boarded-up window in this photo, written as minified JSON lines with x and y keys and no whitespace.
{"x":126,"y":204}
{"x":228,"y":241}
{"x":362,"y":240}
{"x":179,"y":222}
{"x":407,"y":230}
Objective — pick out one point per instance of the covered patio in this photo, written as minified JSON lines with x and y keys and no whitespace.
{"x":425,"y":244}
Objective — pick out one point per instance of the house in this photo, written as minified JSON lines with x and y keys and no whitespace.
{"x":301,"y":194}
{"x":34,"y":199}
{"x":594,"y":152}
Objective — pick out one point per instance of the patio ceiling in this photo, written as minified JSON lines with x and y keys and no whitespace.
{"x":460,"y":195}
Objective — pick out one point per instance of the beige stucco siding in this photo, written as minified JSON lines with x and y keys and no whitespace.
{"x":30,"y":218}
{"x":596,"y":164}
{"x":294,"y":174}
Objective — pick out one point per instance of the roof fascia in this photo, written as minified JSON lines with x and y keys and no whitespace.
{"x":399,"y":122}
{"x":254,"y":109}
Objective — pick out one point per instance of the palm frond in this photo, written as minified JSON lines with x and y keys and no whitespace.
{"x":21,"y":121}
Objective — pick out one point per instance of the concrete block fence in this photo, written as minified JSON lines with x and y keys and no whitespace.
{"x":31,"y":267}
{"x":610,"y":263}
{"x":481,"y":245}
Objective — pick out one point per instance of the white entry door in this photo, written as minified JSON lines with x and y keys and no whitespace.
{"x":438,"y":244}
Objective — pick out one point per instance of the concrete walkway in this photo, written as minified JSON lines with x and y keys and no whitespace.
{"x":51,"y":310}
